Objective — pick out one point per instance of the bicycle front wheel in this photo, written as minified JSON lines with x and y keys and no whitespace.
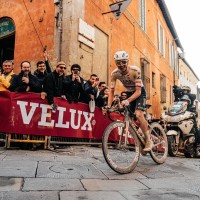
{"x":120,"y":154}
{"x":160,"y":149}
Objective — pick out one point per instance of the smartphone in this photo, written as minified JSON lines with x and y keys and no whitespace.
{"x":97,"y":78}
{"x":45,"y":48}
{"x":116,"y":96}
{"x":76,"y":72}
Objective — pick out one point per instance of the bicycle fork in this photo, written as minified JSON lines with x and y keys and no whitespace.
{"x":124,"y":133}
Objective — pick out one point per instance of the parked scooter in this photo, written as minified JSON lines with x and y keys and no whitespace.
{"x":180,"y":123}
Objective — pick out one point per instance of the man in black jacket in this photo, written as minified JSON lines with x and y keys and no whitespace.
{"x":90,"y":88}
{"x":25,"y":81}
{"x":74,"y":85}
{"x":53,"y":84}
{"x":43,"y":68}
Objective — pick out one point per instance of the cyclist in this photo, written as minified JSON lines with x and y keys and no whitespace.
{"x":136,"y":94}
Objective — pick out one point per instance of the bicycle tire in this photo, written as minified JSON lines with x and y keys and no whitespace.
{"x":121,"y":159}
{"x":160,"y":150}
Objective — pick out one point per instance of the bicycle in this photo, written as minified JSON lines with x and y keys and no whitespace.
{"x":123,"y":141}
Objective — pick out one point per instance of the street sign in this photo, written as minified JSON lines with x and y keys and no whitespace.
{"x":118,"y":8}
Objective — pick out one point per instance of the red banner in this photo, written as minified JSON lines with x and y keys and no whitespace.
{"x":27,"y":113}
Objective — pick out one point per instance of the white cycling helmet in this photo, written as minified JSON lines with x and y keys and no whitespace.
{"x":121,"y":55}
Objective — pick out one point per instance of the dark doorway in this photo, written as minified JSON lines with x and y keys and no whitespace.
{"x":7,"y":44}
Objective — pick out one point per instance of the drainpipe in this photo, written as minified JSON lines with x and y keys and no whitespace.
{"x":60,"y":29}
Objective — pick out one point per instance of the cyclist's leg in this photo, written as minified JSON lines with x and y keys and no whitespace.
{"x":139,"y":112}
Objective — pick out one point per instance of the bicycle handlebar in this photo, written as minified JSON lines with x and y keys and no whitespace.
{"x":115,"y":110}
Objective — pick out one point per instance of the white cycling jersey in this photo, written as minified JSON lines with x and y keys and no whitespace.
{"x":130,"y":80}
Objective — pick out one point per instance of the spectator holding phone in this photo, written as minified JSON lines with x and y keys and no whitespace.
{"x":102,"y":99}
{"x":54,"y":84}
{"x":25,"y":81}
{"x":90,"y":88}
{"x":74,"y":85}
{"x":116,"y":101}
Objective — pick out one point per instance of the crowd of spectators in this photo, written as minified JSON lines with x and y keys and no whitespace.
{"x":55,"y":83}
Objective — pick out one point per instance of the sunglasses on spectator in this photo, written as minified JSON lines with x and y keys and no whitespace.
{"x":76,"y":69}
{"x":62,"y":67}
{"x":121,"y":62}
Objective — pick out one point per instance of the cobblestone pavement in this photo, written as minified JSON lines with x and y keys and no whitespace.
{"x":80,"y":172}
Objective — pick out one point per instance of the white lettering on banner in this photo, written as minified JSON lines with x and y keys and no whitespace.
{"x":60,"y":118}
{"x":87,"y":121}
{"x":73,"y":117}
{"x":45,"y":115}
{"x":27,"y":117}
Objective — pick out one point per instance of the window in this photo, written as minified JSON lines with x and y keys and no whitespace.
{"x":161,"y":39}
{"x":145,"y":75}
{"x":163,"y":96}
{"x":171,"y":55}
{"x":153,"y":80}
{"x":142,"y":8}
{"x":171,"y":94}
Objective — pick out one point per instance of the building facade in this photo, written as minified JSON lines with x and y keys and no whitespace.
{"x":78,"y":31}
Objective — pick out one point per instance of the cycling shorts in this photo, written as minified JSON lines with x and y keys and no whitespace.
{"x":139,"y":103}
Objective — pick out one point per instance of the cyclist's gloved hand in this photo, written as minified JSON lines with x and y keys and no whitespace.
{"x":125,"y":103}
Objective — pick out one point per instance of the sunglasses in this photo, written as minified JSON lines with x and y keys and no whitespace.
{"x":76,"y":69}
{"x":121,"y":62}
{"x":62,"y":67}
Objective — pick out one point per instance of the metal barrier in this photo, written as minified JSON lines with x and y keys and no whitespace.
{"x":66,"y":140}
{"x":11,"y":137}
{"x":3,"y":139}
{"x":8,"y":138}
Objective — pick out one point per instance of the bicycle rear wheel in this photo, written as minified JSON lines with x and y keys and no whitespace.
{"x":160,"y":149}
{"x":120,"y":157}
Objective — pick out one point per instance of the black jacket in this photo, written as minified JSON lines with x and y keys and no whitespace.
{"x":74,"y":90}
{"x":53,"y":86}
{"x":17,"y":85}
{"x":89,"y":90}
{"x":41,"y":76}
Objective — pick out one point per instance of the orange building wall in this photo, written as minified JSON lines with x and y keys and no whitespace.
{"x":126,"y":34}
{"x":27,"y":44}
